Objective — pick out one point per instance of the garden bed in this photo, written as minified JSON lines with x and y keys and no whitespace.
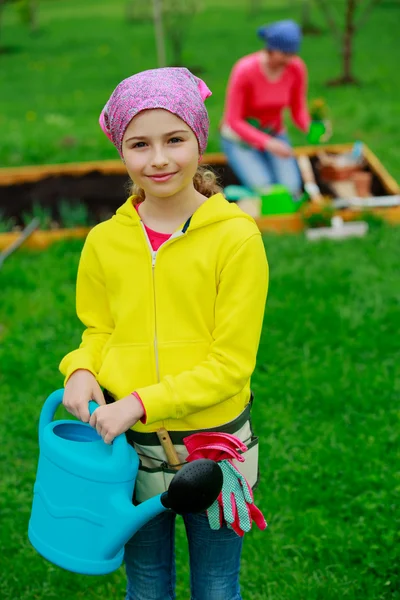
{"x":70,"y":198}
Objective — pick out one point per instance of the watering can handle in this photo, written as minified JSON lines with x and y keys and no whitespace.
{"x":50,"y":406}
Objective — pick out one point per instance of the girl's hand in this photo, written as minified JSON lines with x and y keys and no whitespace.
{"x":116,"y":418}
{"x":79,"y":389}
{"x":278,"y":148}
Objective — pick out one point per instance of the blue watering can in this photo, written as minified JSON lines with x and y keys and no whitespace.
{"x":82,"y":512}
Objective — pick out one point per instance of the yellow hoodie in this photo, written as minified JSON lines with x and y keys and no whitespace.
{"x":180,"y":326}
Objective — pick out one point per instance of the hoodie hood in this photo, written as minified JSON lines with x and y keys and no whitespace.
{"x":214,"y":210}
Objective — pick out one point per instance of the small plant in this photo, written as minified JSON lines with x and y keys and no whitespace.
{"x":73,"y":214}
{"x":319,"y":219}
{"x":318,"y":109}
{"x":7,"y":224}
{"x":374,"y":221}
{"x":43,"y":213}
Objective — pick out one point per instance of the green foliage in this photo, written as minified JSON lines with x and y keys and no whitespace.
{"x":43,"y":213}
{"x":137,"y":11}
{"x":326,"y":389}
{"x":24,"y":10}
{"x":321,"y":218}
{"x":73,"y":214}
{"x":318,"y":109}
{"x":6,"y":223}
{"x":374,"y":221}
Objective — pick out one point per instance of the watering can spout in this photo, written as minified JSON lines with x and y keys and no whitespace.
{"x":127,"y":521}
{"x":192,"y":490}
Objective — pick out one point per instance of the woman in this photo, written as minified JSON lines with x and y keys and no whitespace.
{"x":260,"y":87}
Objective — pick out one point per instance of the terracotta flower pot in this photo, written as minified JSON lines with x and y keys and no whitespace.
{"x":335,"y":173}
{"x":362,"y":181}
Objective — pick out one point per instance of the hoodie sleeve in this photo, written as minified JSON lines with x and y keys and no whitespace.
{"x":239,"y":313}
{"x":93,"y":310}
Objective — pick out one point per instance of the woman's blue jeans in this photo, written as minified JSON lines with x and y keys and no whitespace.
{"x":257,"y":170}
{"x":214,"y":560}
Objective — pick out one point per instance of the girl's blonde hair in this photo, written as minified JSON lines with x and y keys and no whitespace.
{"x":205,"y":182}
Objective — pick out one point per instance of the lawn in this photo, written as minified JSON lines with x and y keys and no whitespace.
{"x":327,"y":381}
{"x":327,"y":386}
{"x":55,"y":83}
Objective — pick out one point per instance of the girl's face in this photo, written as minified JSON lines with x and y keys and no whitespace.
{"x":161,"y":153}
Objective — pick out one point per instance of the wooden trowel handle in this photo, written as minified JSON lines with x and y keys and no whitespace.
{"x":169,"y":449}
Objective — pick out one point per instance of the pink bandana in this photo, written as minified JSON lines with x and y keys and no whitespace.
{"x":175,"y":89}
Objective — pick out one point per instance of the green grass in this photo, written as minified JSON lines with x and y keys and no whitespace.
{"x":54,"y":84}
{"x":327,"y":386}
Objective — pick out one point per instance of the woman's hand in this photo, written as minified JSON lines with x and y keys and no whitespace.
{"x":278,"y":148}
{"x":80,"y":388}
{"x":116,"y":418}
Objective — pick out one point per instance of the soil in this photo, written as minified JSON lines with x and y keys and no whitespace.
{"x":101,"y":193}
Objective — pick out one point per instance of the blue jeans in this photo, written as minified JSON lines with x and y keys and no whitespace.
{"x":214,"y":560}
{"x":256,"y":169}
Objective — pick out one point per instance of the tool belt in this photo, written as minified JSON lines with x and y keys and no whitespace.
{"x":155,"y":474}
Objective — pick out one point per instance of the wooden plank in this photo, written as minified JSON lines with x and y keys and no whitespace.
{"x":29,"y":174}
{"x":43,"y":239}
{"x":292,"y":223}
{"x":377,"y":167}
{"x":391,"y":215}
{"x":331,"y":148}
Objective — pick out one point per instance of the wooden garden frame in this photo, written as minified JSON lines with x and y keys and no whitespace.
{"x":292,"y":223}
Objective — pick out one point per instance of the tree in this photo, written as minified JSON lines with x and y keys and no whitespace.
{"x":171,"y":20}
{"x":178,"y":15}
{"x":28,"y":13}
{"x":345,"y":38}
{"x":159,"y":32}
{"x":307,"y":25}
{"x":2,"y":4}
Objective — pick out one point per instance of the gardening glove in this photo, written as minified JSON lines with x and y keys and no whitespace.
{"x":216,"y":446}
{"x":235,"y":504}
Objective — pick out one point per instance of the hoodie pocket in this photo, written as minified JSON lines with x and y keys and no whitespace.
{"x":127,"y":367}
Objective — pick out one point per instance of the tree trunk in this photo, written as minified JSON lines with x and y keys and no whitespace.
{"x":347,"y":77}
{"x":159,"y":33}
{"x":33,"y":15}
{"x":2,"y":3}
{"x":177,"y":40}
{"x":348,"y":42}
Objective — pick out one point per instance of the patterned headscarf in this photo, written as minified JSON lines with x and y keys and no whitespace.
{"x":175,"y":89}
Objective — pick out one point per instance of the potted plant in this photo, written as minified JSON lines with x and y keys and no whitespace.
{"x":320,"y":128}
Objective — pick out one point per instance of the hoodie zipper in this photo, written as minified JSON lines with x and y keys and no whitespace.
{"x":154,"y":253}
{"x":153,"y":266}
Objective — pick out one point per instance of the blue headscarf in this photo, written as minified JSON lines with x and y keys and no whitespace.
{"x":282,"y":35}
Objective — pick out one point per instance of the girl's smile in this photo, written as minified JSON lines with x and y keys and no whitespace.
{"x":161,"y":177}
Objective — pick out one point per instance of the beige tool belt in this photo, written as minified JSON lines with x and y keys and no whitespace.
{"x":155,"y":474}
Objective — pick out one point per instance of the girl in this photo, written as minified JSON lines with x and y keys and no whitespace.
{"x":260,"y":87}
{"x":171,"y":291}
